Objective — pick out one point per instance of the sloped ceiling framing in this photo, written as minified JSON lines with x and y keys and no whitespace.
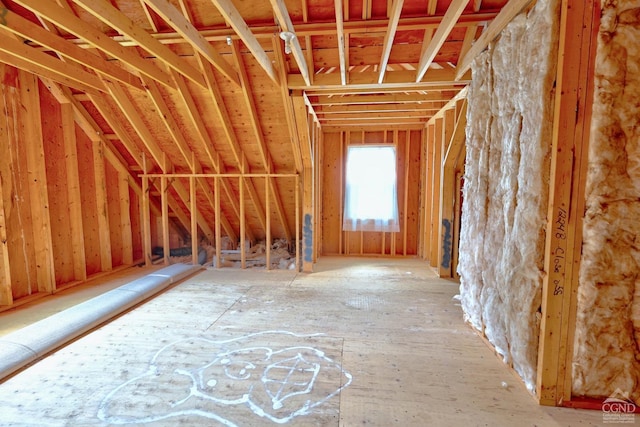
{"x":205,"y":86}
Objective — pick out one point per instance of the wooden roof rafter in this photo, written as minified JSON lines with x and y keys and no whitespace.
{"x":267,"y":161}
{"x":86,"y":122}
{"x":181,"y":24}
{"x":113,"y":17}
{"x":232,"y":141}
{"x":213,"y":156}
{"x":71,"y":23}
{"x":282,"y":15}
{"x":180,"y":141}
{"x":506,"y":15}
{"x":288,"y":107}
{"x":19,"y":55}
{"x":234,"y":19}
{"x":470,"y":32}
{"x":133,"y":116}
{"x":394,"y":17}
{"x":444,"y":29}
{"x":34,"y":33}
{"x":151,"y":18}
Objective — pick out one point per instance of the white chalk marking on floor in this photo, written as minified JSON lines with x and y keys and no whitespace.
{"x":283,"y":390}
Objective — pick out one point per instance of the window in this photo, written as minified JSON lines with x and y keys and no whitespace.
{"x":371,"y":202}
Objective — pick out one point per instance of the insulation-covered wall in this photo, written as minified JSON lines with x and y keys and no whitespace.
{"x":509,"y":124}
{"x":607,"y":351}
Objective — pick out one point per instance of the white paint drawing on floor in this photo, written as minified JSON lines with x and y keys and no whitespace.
{"x":218,"y":380}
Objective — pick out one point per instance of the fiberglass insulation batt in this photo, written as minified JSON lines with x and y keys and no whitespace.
{"x":509,"y":124}
{"x":606,"y":351}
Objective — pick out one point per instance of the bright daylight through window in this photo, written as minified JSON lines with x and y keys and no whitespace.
{"x":371,"y":202}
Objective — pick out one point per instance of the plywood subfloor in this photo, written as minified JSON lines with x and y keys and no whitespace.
{"x":359,"y":342}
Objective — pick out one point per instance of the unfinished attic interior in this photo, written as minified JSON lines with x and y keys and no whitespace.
{"x":492,"y":145}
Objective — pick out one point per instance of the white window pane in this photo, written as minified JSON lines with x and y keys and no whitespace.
{"x":371,"y":195}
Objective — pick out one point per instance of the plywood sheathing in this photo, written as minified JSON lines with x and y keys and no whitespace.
{"x":607,"y":340}
{"x":506,"y":186}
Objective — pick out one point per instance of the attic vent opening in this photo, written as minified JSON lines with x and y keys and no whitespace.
{"x":371,"y":199}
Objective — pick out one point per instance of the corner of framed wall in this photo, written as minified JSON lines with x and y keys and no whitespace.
{"x":579,"y":22}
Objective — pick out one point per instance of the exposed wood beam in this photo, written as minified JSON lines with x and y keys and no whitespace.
{"x":134,"y":117}
{"x":470,"y":33}
{"x":124,"y":203}
{"x":377,"y":121}
{"x":223,"y":114}
{"x":34,"y":33}
{"x":457,"y":140}
{"x":198,"y":122}
{"x":231,"y":137}
{"x":179,"y":139}
{"x":359,"y":127}
{"x":102,"y":207}
{"x":6,"y":296}
{"x":118,"y":128}
{"x":111,"y":16}
{"x":396,"y":80}
{"x":450,"y":104}
{"x":288,"y":108}
{"x":371,"y":115}
{"x":233,"y":18}
{"x":37,"y":183}
{"x":251,"y":106}
{"x":428,"y":32}
{"x":314,"y":28}
{"x":444,"y":29}
{"x":578,"y":39}
{"x":178,"y":22}
{"x":377,"y":108}
{"x":73,"y":191}
{"x":171,"y":125}
{"x":213,"y":156}
{"x":95,"y":38}
{"x":506,"y":15}
{"x":309,"y":56}
{"x":151,"y":19}
{"x":282,"y":15}
{"x":185,"y":10}
{"x":391,"y":98}
{"x":262,"y":145}
{"x":39,"y":63}
{"x":302,"y":124}
{"x":21,"y":64}
{"x":389,"y":36}
{"x":341,"y":41}
{"x":366,"y":9}
{"x":89,"y":126}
